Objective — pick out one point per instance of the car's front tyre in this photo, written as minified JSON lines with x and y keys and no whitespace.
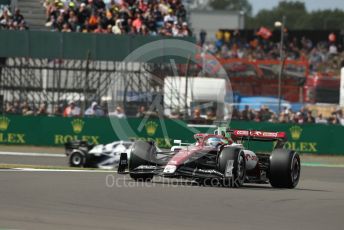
{"x":232,"y":163}
{"x":141,"y":154}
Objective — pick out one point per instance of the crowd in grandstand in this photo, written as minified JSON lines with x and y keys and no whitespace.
{"x":287,"y":116}
{"x":12,"y":20}
{"x":153,"y":17}
{"x":322,"y":56}
{"x":73,"y":109}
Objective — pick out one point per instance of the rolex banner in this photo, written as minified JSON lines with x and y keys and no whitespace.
{"x":55,"y":131}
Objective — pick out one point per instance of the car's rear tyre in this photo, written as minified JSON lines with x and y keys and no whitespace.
{"x":232,"y":164}
{"x":285,"y":168}
{"x":141,"y":154}
{"x":76,"y":159}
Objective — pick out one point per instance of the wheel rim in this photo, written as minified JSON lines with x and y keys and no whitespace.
{"x":241,"y":167}
{"x":76,"y":160}
{"x":295,"y":170}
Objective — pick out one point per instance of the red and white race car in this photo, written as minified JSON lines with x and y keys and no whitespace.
{"x":218,"y":159}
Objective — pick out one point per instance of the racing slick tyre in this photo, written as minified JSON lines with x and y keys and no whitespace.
{"x":76,"y":159}
{"x":232,"y":164}
{"x":141,"y":154}
{"x":285,"y":168}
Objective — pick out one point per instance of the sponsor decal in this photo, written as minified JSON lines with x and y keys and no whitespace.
{"x":60,"y":139}
{"x":4,"y":123}
{"x":256,"y":133}
{"x":146,"y":167}
{"x":151,"y":127}
{"x":209,"y":171}
{"x":269,"y":134}
{"x":229,"y":168}
{"x":250,"y":157}
{"x":295,"y":132}
{"x":308,"y":147}
{"x":241,"y":132}
{"x":170,"y":169}
{"x":160,"y":142}
{"x":77,"y":126}
{"x":9,"y":138}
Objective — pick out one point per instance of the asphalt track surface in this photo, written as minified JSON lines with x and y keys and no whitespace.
{"x":35,"y":160}
{"x":98,"y":200}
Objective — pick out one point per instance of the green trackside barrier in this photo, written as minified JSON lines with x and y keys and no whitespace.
{"x":5,"y":2}
{"x":54,"y":131}
{"x":81,"y":46}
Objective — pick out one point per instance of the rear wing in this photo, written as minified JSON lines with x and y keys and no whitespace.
{"x":259,"y":135}
{"x":254,"y":135}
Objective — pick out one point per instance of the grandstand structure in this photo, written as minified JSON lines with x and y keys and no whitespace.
{"x":81,"y":69}
{"x":57,"y":73}
{"x":57,"y":82}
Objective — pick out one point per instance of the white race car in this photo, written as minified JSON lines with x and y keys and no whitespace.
{"x":83,"y":154}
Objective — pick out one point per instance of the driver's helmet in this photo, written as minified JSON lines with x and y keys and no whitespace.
{"x":214,"y":141}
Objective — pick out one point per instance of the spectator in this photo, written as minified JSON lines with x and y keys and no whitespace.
{"x":5,"y":19}
{"x":264,"y":113}
{"x":210,"y":116}
{"x":300,"y":119}
{"x":196,"y":118}
{"x":16,"y":107}
{"x":284,"y":118}
{"x":320,"y":120}
{"x":309,"y":118}
{"x":18,"y":17}
{"x":42,"y":110}
{"x":104,"y":107}
{"x":340,"y":116}
{"x":170,"y":17}
{"x":94,"y":21}
{"x":26,"y":109}
{"x":66,"y":28}
{"x":235,"y":114}
{"x":175,"y":115}
{"x":99,"y":29}
{"x":9,"y":108}
{"x":141,"y":111}
{"x":83,"y":13}
{"x":137,"y":23}
{"x":72,"y":110}
{"x":58,"y":111}
{"x":273,"y":118}
{"x":12,"y":21}
{"x":185,"y":31}
{"x":117,"y":28}
{"x":124,"y":17}
{"x":334,"y":119}
{"x":94,"y":110}
{"x":181,"y":13}
{"x":247,"y":114}
{"x":119,"y":112}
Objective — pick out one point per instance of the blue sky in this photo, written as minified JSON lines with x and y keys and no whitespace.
{"x":310,"y":4}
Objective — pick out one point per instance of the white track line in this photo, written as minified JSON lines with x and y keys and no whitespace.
{"x":32,"y":154}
